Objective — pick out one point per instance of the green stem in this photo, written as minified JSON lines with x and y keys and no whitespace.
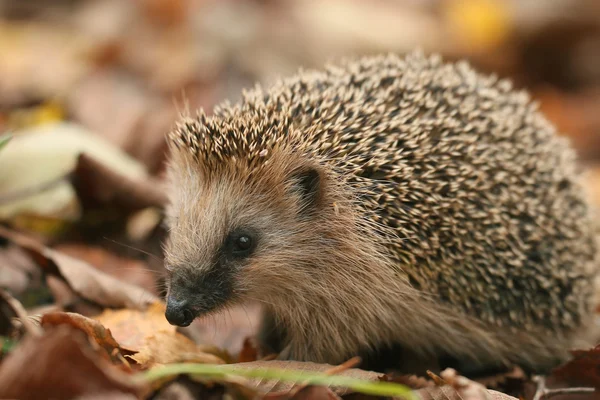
{"x":220,"y":371}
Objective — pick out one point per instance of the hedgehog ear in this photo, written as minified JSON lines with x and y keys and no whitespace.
{"x":307,"y":183}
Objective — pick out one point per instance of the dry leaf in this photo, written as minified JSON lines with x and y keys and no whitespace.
{"x":272,"y":385}
{"x":167,"y":348}
{"x":84,"y":279}
{"x":97,"y":185}
{"x":18,"y":273}
{"x":131,"y":327}
{"x":249,"y":351}
{"x":449,"y":393}
{"x":154,"y":340}
{"x":92,"y":328}
{"x":125,"y":269}
{"x":37,"y":160}
{"x":59,"y":365}
{"x":582,"y":370}
{"x":306,"y":393}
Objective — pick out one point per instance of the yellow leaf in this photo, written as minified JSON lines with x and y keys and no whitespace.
{"x":478,"y":24}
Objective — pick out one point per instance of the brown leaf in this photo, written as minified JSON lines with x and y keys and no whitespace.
{"x":11,"y":308}
{"x":273,"y":385}
{"x":184,"y":388}
{"x":87,"y":281}
{"x":582,"y":370}
{"x":60,"y":364}
{"x":456,"y":387}
{"x":412,"y":381}
{"x":450,"y":393}
{"x":18,"y":272}
{"x":131,"y":327}
{"x":97,"y":185}
{"x":306,"y":393}
{"x":249,"y":351}
{"x":90,"y":327}
{"x":153,"y":339}
{"x":125,"y":269}
{"x":167,"y":348}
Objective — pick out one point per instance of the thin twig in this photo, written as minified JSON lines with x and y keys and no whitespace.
{"x":543,"y":393}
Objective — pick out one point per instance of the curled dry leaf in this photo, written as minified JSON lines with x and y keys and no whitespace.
{"x":97,"y":184}
{"x":11,"y":308}
{"x":153,"y":339}
{"x":18,"y":273}
{"x":249,"y":351}
{"x":131,"y":327}
{"x":167,"y":348}
{"x":92,"y":328}
{"x":38,"y":159}
{"x":60,"y":365}
{"x":85,"y":280}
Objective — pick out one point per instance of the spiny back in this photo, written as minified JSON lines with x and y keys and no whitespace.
{"x":481,"y":198}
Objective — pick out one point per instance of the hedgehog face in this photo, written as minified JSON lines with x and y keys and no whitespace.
{"x":230,"y":234}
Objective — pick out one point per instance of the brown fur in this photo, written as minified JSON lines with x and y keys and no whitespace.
{"x":449,"y":217}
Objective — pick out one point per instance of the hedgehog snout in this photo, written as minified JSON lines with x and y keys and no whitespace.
{"x":179,"y":312}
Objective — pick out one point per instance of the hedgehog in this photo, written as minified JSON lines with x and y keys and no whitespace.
{"x":395,"y":208}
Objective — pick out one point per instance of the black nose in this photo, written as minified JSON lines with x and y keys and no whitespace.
{"x":178,"y":312}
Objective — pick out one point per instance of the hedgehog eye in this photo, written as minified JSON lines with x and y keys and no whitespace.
{"x":241,"y":244}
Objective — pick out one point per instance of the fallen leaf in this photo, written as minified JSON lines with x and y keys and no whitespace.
{"x":305,"y":393}
{"x":249,"y":351}
{"x":108,"y":395}
{"x":582,"y":370}
{"x":478,"y":24}
{"x":273,"y":385}
{"x":97,"y":184}
{"x":37,"y":161}
{"x":450,"y":393}
{"x":131,"y":327}
{"x":168,"y":348}
{"x":466,"y":388}
{"x":153,"y":339}
{"x":40,"y":60}
{"x":184,"y":388}
{"x":92,"y":328}
{"x":60,"y":364}
{"x":18,"y":273}
{"x":125,"y":269}
{"x":11,"y":308}
{"x":85,"y":280}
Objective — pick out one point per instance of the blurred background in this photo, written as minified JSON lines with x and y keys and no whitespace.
{"x":108,"y":78}
{"x":120,"y":69}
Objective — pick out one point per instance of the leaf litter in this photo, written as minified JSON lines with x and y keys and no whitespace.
{"x":88,"y":90}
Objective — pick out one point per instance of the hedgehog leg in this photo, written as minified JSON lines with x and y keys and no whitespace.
{"x":471,"y":369}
